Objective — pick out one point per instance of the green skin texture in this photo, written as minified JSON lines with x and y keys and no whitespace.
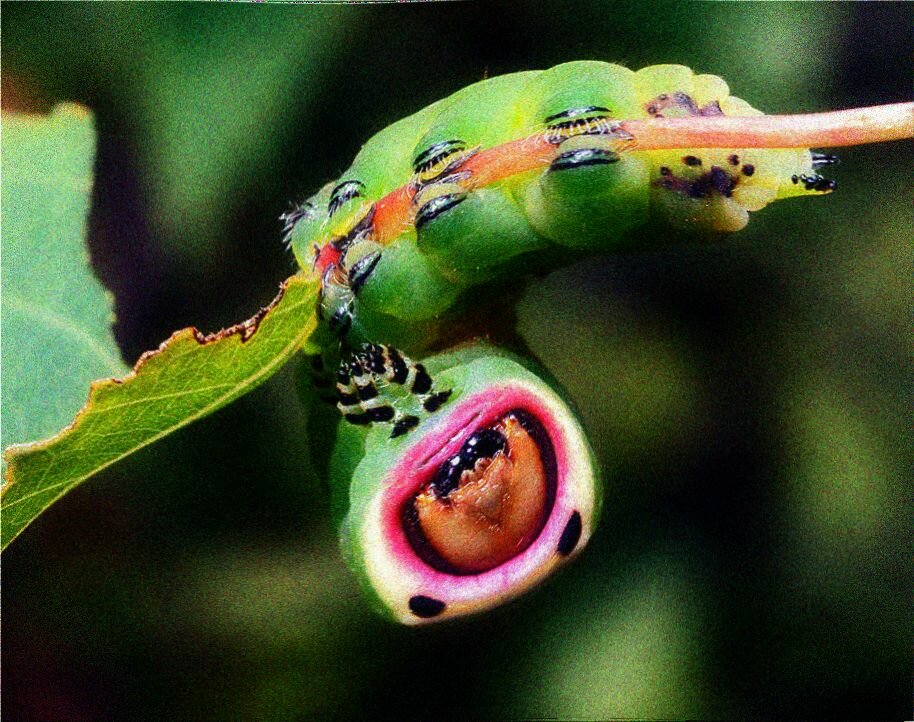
{"x":506,"y":228}
{"x":362,"y":457}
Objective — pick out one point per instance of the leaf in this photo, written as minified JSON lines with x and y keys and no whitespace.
{"x":186,"y":378}
{"x":57,"y":316}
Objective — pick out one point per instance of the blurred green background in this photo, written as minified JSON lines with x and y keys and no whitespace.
{"x":746,"y":399}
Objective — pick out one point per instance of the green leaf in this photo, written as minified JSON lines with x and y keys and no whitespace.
{"x":186,"y":378}
{"x":57,"y":316}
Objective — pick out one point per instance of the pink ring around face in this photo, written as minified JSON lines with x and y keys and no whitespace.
{"x":462,"y":593}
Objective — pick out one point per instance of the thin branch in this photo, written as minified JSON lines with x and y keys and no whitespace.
{"x":856,"y":126}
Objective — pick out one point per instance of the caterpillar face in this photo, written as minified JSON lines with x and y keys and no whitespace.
{"x":478,"y":502}
{"x":453,"y":195}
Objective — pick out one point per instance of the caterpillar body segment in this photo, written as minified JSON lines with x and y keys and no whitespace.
{"x":477,"y":503}
{"x":518,"y":164}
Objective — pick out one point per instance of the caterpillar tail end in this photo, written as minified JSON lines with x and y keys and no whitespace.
{"x":479,"y":502}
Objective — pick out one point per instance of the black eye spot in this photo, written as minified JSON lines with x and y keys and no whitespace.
{"x":571,"y":535}
{"x":748,"y":169}
{"x":664,"y":170}
{"x":447,"y":478}
{"x":482,"y":444}
{"x":425,"y":607}
{"x":691,"y":160}
{"x":733,"y":159}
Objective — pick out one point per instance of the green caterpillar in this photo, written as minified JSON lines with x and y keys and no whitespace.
{"x":488,"y":485}
{"x":518,"y":167}
{"x":464,"y":480}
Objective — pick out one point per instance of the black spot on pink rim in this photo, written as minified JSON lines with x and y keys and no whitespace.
{"x":425,"y":607}
{"x":571,"y":535}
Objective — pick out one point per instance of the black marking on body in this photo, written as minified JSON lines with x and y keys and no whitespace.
{"x":341,"y":321}
{"x":434,"y":402}
{"x":398,"y":367}
{"x":587,"y":120}
{"x":748,"y":169}
{"x":715,"y":180}
{"x":366,"y":393}
{"x":571,"y":535}
{"x":691,"y":160}
{"x":362,"y":269}
{"x":671,"y":101}
{"x":403,"y":425}
{"x":374,"y":356}
{"x":361,"y":383}
{"x":422,"y":384}
{"x":345,"y":191}
{"x":678,"y":104}
{"x":348,"y":399}
{"x":437,"y":162}
{"x":575,"y":112}
{"x":583,"y":157}
{"x":815,"y":182}
{"x":425,"y":607}
{"x":819,"y":159}
{"x":436,"y":206}
{"x":380,"y":413}
{"x":733,"y":159}
{"x":357,"y":419}
{"x":436,"y":153}
{"x":362,"y":230}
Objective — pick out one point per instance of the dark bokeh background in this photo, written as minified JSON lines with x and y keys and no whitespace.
{"x":746,"y":399}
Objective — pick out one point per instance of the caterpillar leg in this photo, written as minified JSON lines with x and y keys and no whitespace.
{"x":378,"y":384}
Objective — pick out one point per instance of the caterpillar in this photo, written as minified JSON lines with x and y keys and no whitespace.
{"x":463,"y":480}
{"x":476,"y":187}
{"x":479,"y":501}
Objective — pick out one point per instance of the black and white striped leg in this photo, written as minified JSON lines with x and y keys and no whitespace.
{"x":364,"y":382}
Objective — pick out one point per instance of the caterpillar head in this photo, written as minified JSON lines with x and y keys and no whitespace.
{"x":480,"y":500}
